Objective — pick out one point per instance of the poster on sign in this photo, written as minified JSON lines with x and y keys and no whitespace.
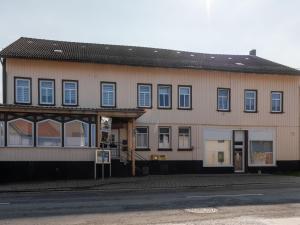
{"x":103,"y":157}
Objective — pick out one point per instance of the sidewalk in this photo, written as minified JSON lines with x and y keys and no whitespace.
{"x":151,"y":182}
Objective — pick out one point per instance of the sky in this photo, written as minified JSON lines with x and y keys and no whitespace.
{"x":272,"y":27}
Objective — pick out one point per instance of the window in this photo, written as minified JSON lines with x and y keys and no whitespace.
{"x":223,"y":99}
{"x":2,"y":133}
{"x":164,"y":96}
{"x":277,"y":103}
{"x":217,"y":153}
{"x":48,"y":133}
{"x":164,"y":138}
{"x":76,"y":134}
{"x":93,"y":135}
{"x":108,"y":94}
{"x":70,"y":93}
{"x":250,"y":100}
{"x":46,"y":92}
{"x":23,"y":90}
{"x":184,"y":97}
{"x":144,"y":95}
{"x":142,"y":137}
{"x":261,"y":153}
{"x":184,"y":137}
{"x":20,"y":133}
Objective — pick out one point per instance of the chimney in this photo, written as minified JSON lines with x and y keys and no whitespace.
{"x":253,"y":52}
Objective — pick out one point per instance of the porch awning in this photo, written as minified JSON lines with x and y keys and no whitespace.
{"x":109,"y":112}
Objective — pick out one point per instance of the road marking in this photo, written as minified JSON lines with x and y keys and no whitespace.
{"x":4,"y":203}
{"x":222,"y":196}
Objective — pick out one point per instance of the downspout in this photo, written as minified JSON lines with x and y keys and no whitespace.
{"x":4,"y":78}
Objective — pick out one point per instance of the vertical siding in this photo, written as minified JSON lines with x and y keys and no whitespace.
{"x":204,"y":86}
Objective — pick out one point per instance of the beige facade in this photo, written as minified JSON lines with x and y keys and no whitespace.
{"x":203,"y":115}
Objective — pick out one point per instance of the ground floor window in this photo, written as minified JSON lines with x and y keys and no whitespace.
{"x":184,"y":137}
{"x":49,"y":133}
{"x":164,"y":138}
{"x":217,"y":153}
{"x":142,"y":137}
{"x":20,"y":133}
{"x":261,"y":153}
{"x":76,"y":134}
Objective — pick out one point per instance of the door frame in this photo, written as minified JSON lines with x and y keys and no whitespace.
{"x":244,"y":150}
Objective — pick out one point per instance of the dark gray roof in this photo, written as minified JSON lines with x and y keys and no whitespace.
{"x":30,"y":48}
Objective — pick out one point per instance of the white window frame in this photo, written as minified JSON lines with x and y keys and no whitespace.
{"x":228,"y":99}
{"x":169,"y":96}
{"x":190,"y":137}
{"x":144,"y":94}
{"x":37,"y":131}
{"x":253,"y":99}
{"x":64,"y":92}
{"x":142,"y":147}
{"x":29,"y":90}
{"x":69,"y":146}
{"x":189,"y":95}
{"x":52,"y":91}
{"x":113,"y":94}
{"x":280,"y":101}
{"x":32,"y":133}
{"x":170,"y":137}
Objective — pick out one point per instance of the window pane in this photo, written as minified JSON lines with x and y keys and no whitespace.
{"x":218,"y":153}
{"x":70,"y":93}
{"x":76,"y":134}
{"x":223,"y":99}
{"x":144,"y":95}
{"x":22,"y":91}
{"x":47,"y":92}
{"x":19,"y":133}
{"x":142,"y":137}
{"x":184,"y":138}
{"x":108,"y":94}
{"x":49,"y":133}
{"x":276,"y":102}
{"x":164,"y":138}
{"x":261,"y":152}
{"x":164,"y":96}
{"x":2,"y":133}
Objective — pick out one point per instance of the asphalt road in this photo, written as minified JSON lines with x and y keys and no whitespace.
{"x":247,"y":205}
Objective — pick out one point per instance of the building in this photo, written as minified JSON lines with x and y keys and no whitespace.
{"x":172,"y":111}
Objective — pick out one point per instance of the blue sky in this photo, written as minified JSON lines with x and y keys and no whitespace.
{"x":211,"y":26}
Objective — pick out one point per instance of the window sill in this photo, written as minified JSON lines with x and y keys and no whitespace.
{"x":250,"y":111}
{"x":271,"y":165}
{"x":184,"y":108}
{"x":22,"y":103}
{"x":144,"y":107}
{"x":220,"y":110}
{"x":70,"y":105}
{"x":108,"y":106}
{"x":185,"y":149}
{"x":44,"y":104}
{"x":142,"y":149}
{"x":164,"y":108}
{"x":276,"y":112}
{"x":164,"y":149}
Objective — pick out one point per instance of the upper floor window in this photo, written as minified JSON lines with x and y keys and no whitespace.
{"x":23,"y":90}
{"x":144,"y":95}
{"x":46,"y":92}
{"x":223,"y":99}
{"x":164,"y":96}
{"x":250,"y":101}
{"x":184,"y":97}
{"x":276,"y":101}
{"x":70,"y":93}
{"x":108,"y":94}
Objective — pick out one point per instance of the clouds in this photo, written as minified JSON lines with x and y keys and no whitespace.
{"x":214,"y":26}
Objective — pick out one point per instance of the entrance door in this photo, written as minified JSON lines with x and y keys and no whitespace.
{"x":239,"y":151}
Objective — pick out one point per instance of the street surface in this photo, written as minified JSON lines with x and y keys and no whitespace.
{"x":246,"y":204}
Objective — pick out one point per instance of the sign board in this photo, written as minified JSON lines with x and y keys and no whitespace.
{"x":103,"y":157}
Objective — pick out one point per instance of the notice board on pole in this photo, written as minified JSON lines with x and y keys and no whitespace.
{"x":103,"y":157}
